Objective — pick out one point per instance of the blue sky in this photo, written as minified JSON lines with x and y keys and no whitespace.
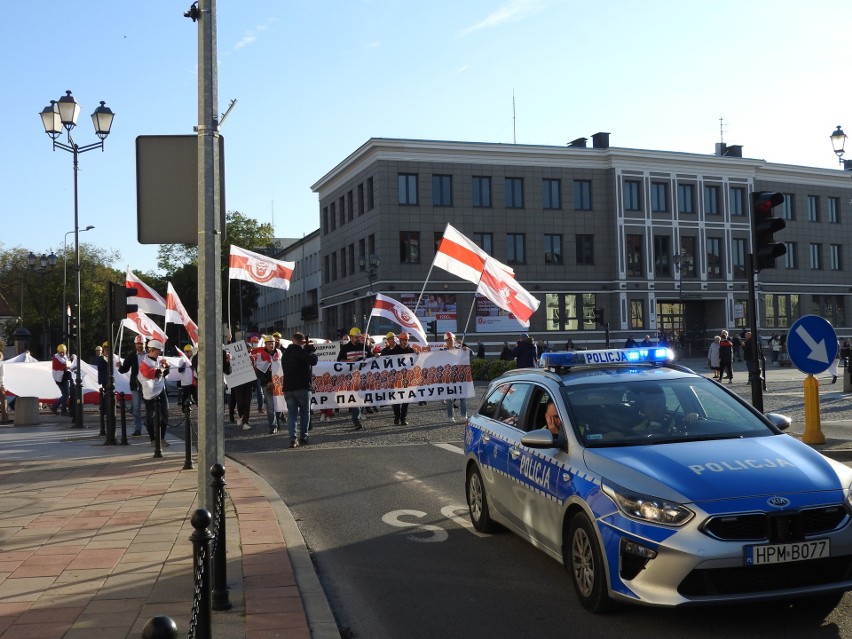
{"x":315,"y":79}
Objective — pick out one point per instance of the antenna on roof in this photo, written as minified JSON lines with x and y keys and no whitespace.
{"x":722,"y":130}
{"x":514,"y":134}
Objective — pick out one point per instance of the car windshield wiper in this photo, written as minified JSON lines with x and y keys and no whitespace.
{"x":694,"y":438}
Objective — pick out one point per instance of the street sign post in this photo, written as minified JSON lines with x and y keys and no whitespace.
{"x":812,"y":346}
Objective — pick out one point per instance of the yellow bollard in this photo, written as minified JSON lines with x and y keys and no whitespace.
{"x":813,"y":427}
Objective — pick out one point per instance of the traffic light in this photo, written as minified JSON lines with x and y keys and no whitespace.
{"x":432,"y":327}
{"x":118,"y":301}
{"x":763,"y":226}
{"x":599,"y":316}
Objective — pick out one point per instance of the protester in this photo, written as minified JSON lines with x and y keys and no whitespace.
{"x":296,"y":364}
{"x":131,"y":365}
{"x":4,"y":415}
{"x":62,"y":376}
{"x":451,"y":345}
{"x":506,"y":353}
{"x":524,"y":353}
{"x":263,"y":360}
{"x":101,"y":364}
{"x":400,"y":411}
{"x":188,"y":380}
{"x":153,"y":370}
{"x":353,"y":351}
{"x":726,"y":356}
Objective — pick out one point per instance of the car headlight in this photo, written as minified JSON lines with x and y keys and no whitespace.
{"x":648,"y":508}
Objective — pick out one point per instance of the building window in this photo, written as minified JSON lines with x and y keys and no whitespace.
{"x":334,"y":267}
{"x":737,"y":200}
{"x":343,"y":262}
{"x":551,"y":194}
{"x":351,"y":255}
{"x":637,"y":314}
{"x":360,"y":199}
{"x":834,"y":210}
{"x":830,"y":307}
{"x":780,"y":310}
{"x":711,"y":200}
{"x":686,"y":198}
{"x":835,"y":257}
{"x":659,"y":197}
{"x":442,"y":190}
{"x":714,"y":258}
{"x":327,"y":270}
{"x":788,"y":206}
{"x":662,"y":250}
{"x":514,"y":195}
{"x":569,"y":311}
{"x":633,"y":245}
{"x":408,"y":189}
{"x":516,"y":253}
{"x":332,"y":215}
{"x":341,"y":204}
{"x":324,"y":220}
{"x":813,"y":208}
{"x":738,"y":253}
{"x":485,"y":241}
{"x":370,"y":201}
{"x":409,"y":247}
{"x":553,"y":249}
{"x":350,"y":205}
{"x":582,"y":195}
{"x":790,"y":256}
{"x":481,"y":192}
{"x":585,"y":249}
{"x":688,"y":253}
{"x":815,"y":251}
{"x":632,"y":198}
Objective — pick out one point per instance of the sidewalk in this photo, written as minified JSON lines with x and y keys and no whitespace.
{"x":94,"y":541}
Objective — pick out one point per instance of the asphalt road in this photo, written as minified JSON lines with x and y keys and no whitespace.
{"x":383,"y":513}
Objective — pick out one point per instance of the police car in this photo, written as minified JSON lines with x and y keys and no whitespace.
{"x":660,"y":486}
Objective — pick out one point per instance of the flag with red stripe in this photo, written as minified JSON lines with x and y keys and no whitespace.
{"x":140,"y":323}
{"x":176,"y":314}
{"x":146,"y":299}
{"x":398,"y":312}
{"x":259,"y":269}
{"x":505,"y":292}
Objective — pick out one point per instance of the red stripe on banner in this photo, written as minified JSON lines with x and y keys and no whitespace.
{"x":461,"y":254}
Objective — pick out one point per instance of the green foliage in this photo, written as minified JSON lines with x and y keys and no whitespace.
{"x":488,"y":369}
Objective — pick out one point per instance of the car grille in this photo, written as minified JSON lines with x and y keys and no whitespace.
{"x":776,"y":527}
{"x":753,"y":579}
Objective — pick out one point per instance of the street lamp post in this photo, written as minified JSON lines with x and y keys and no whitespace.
{"x":65,"y":279}
{"x":372,"y":265}
{"x":679,"y":262}
{"x":58,"y":115}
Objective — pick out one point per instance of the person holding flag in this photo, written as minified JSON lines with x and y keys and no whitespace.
{"x":153,"y":371}
{"x":398,"y":312}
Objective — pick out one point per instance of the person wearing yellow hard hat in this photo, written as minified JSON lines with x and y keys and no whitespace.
{"x":61,"y":368}
{"x":354,"y":351}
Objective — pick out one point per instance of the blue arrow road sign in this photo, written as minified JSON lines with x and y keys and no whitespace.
{"x":812,"y":344}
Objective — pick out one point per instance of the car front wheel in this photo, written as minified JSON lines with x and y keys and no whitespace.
{"x":477,"y":503}
{"x":585,"y":563}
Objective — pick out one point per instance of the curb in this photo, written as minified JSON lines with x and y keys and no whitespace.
{"x":320,"y":618}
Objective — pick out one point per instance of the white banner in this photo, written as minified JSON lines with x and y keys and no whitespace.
{"x":395,"y":379}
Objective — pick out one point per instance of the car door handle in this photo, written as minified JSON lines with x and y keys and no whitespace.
{"x":514,"y":452}
{"x":486,"y":438}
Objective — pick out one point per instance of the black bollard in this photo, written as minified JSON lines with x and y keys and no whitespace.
{"x":158,"y":442}
{"x":122,"y":407}
{"x":102,"y":414}
{"x":187,"y":435}
{"x":201,"y":618}
{"x":221,"y":598}
{"x":160,"y":628}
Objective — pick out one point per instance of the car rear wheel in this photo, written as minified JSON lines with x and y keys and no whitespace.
{"x":585,"y":563}
{"x":477,"y":503}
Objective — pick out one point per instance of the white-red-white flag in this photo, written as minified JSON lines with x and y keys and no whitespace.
{"x":259,"y":269}
{"x":147,"y":299}
{"x":176,"y":314}
{"x":505,"y":292}
{"x":140,"y":323}
{"x":462,"y":257}
{"x":398,"y":312}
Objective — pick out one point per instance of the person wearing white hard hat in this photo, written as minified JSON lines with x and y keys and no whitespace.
{"x":153,"y":369}
{"x":61,"y":368}
{"x":130,"y":365}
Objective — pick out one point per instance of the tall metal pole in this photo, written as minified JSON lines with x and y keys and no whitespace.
{"x":78,"y":382}
{"x":756,"y":379}
{"x":211,"y":441}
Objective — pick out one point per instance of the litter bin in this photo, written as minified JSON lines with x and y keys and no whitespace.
{"x":26,"y":411}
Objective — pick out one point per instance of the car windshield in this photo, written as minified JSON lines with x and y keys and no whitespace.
{"x":658,"y":411}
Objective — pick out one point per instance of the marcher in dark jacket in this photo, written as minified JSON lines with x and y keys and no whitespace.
{"x":296,"y":369}
{"x":524,"y":353}
{"x":726,"y":357}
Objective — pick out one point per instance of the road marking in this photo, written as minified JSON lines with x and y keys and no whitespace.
{"x":451,"y":448}
{"x":451,"y":513}
{"x":436,"y":533}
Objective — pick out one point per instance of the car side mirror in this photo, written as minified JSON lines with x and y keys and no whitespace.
{"x":541,"y":438}
{"x":782,"y":422}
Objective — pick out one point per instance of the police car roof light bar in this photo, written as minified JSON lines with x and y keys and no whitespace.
{"x":613,"y":356}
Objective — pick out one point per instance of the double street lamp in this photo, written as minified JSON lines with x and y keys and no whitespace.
{"x":371,"y":263}
{"x":58,"y":115}
{"x":40,"y":264}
